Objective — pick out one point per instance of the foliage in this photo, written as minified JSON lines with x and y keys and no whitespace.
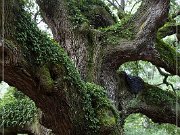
{"x":121,"y":30}
{"x":80,"y":11}
{"x":132,"y":5}
{"x":136,"y":124}
{"x":39,"y":49}
{"x":41,"y":52}
{"x":99,"y":109}
{"x":134,"y":68}
{"x":174,"y":7}
{"x":76,"y":16}
{"x":34,"y":41}
{"x":16,"y":109}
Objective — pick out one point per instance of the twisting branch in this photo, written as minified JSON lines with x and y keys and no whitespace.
{"x":132,"y":49}
{"x":166,"y":75}
{"x":55,"y":14}
{"x":36,"y":15}
{"x":123,"y":4}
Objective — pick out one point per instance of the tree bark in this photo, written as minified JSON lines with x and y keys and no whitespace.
{"x":157,"y":104}
{"x":52,"y":81}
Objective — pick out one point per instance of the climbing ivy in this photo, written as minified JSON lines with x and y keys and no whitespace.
{"x":76,"y":16}
{"x":39,"y":50}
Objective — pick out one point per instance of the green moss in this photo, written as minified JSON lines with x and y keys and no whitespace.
{"x":115,"y":33}
{"x":133,"y":103}
{"x":45,"y":79}
{"x":106,"y":117}
{"x":91,"y":49}
{"x":103,"y":108}
{"x":39,"y":50}
{"x":166,"y":28}
{"x":156,"y":96}
{"x":167,"y":52}
{"x":75,"y":13}
{"x":83,"y":11}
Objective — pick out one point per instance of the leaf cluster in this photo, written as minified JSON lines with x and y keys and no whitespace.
{"x":16,"y":109}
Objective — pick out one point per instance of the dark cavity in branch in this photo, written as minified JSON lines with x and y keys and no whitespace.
{"x":135,"y":84}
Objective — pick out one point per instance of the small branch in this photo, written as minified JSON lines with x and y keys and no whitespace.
{"x":123,"y":4}
{"x":147,"y":103}
{"x":159,"y":84}
{"x":134,"y":5}
{"x":35,"y":15}
{"x":113,"y":4}
{"x":119,"y":7}
{"x":40,"y":21}
{"x":166,"y":75}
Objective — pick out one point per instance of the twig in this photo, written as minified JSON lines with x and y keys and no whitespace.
{"x":134,"y":5}
{"x":166,"y":75}
{"x":119,"y":7}
{"x":35,"y":16}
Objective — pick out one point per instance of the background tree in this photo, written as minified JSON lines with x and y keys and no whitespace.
{"x":86,"y":32}
{"x":18,"y":114}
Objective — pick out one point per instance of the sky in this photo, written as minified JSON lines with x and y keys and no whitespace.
{"x":3,"y":88}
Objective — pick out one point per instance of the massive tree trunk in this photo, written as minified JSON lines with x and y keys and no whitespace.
{"x":41,"y":69}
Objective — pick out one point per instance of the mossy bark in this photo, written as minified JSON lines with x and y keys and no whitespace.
{"x":52,"y":80}
{"x":41,"y":69}
{"x":157,"y":104}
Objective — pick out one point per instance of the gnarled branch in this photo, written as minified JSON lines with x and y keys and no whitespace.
{"x":152,"y":101}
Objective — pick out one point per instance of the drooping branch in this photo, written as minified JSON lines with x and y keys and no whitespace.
{"x":16,"y":68}
{"x":165,"y":81}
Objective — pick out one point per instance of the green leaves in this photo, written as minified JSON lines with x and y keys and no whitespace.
{"x":38,"y":48}
{"x":98,"y":108}
{"x":136,"y":124}
{"x":16,"y":109}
